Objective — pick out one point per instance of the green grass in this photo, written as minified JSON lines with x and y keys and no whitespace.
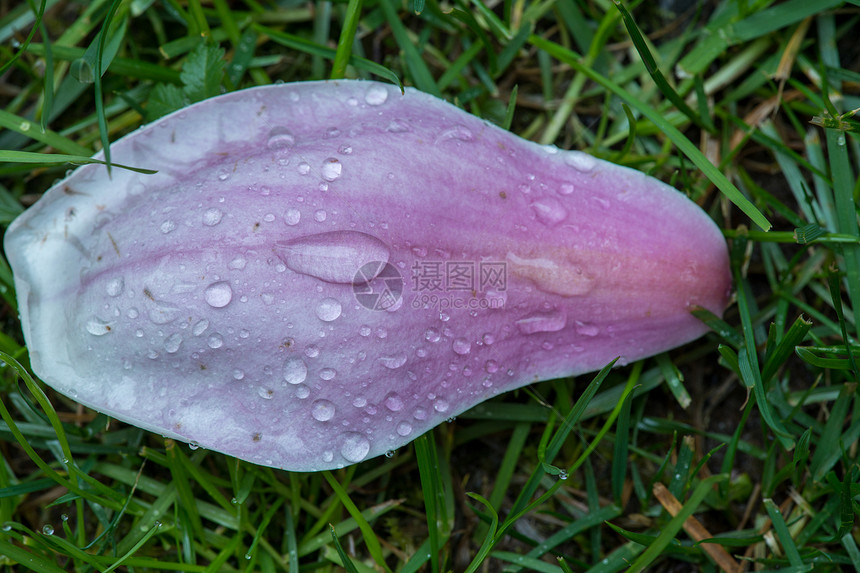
{"x":753,"y":429}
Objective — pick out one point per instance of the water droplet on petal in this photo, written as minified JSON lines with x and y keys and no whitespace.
{"x":354,"y":447}
{"x":458,"y":133}
{"x":542,"y":322}
{"x":212,"y":217}
{"x":393,"y":402}
{"x":404,"y":429}
{"x":200,"y":327}
{"x":566,"y":189}
{"x":328,"y":373}
{"x":580,"y":161}
{"x":303,"y":168}
{"x":491,"y":366}
{"x":432,"y":335}
{"x":292,"y":217}
{"x":331,"y":169}
{"x":173,"y":342}
{"x":394,"y":361}
{"x":97,"y":326}
{"x":329,"y":309}
{"x":440,"y":405}
{"x":219,"y":294}
{"x":322,"y":410}
{"x":280,"y":138}
{"x":461,"y":346}
{"x":295,"y":371}
{"x":587,"y":329}
{"x":549,"y":211}
{"x":333,"y":257}
{"x":215,"y":341}
{"x":376,"y":94}
{"x":167,"y":226}
{"x":115,"y":286}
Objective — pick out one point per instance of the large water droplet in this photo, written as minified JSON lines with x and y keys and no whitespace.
{"x":331,"y":169}
{"x":322,"y":410}
{"x":212,"y":217}
{"x":461,"y":346}
{"x":394,"y":361}
{"x":542,"y":322}
{"x":333,"y":257}
{"x":219,"y":294}
{"x":549,"y":211}
{"x":354,"y":447}
{"x":97,"y":326}
{"x":295,"y":371}
{"x":280,"y":138}
{"x":329,"y":309}
{"x":376,"y":94}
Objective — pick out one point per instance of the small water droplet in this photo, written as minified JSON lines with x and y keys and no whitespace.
{"x":394,"y":361}
{"x":219,"y":294}
{"x":292,"y":217}
{"x":491,"y":366}
{"x":223,"y":174}
{"x":364,"y":330}
{"x":440,"y":405}
{"x":566,"y":189}
{"x":97,"y":326}
{"x":303,"y":168}
{"x":328,"y":309}
{"x":331,"y":169}
{"x":295,"y":371}
{"x":115,"y":286}
{"x":200,"y":327}
{"x":167,"y":226}
{"x":328,"y":373}
{"x":48,"y":529}
{"x":173,"y":342}
{"x":212,"y":217}
{"x":280,"y":138}
{"x":265,"y":393}
{"x":587,"y":329}
{"x":312,"y":351}
{"x":397,"y":126}
{"x":322,"y":410}
{"x":302,"y":391}
{"x":238,"y":374}
{"x":549,"y":211}
{"x":389,"y":454}
{"x":320,"y":215}
{"x":542,"y":322}
{"x":580,"y":161}
{"x":376,"y":94}
{"x":420,"y":414}
{"x":404,"y":429}
{"x":215,"y":341}
{"x":457,"y":132}
{"x":238,"y":263}
{"x":432,"y":335}
{"x":393,"y":401}
{"x":461,"y":346}
{"x":354,"y":447}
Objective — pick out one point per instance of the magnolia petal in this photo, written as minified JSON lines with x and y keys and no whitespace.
{"x":319,"y":272}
